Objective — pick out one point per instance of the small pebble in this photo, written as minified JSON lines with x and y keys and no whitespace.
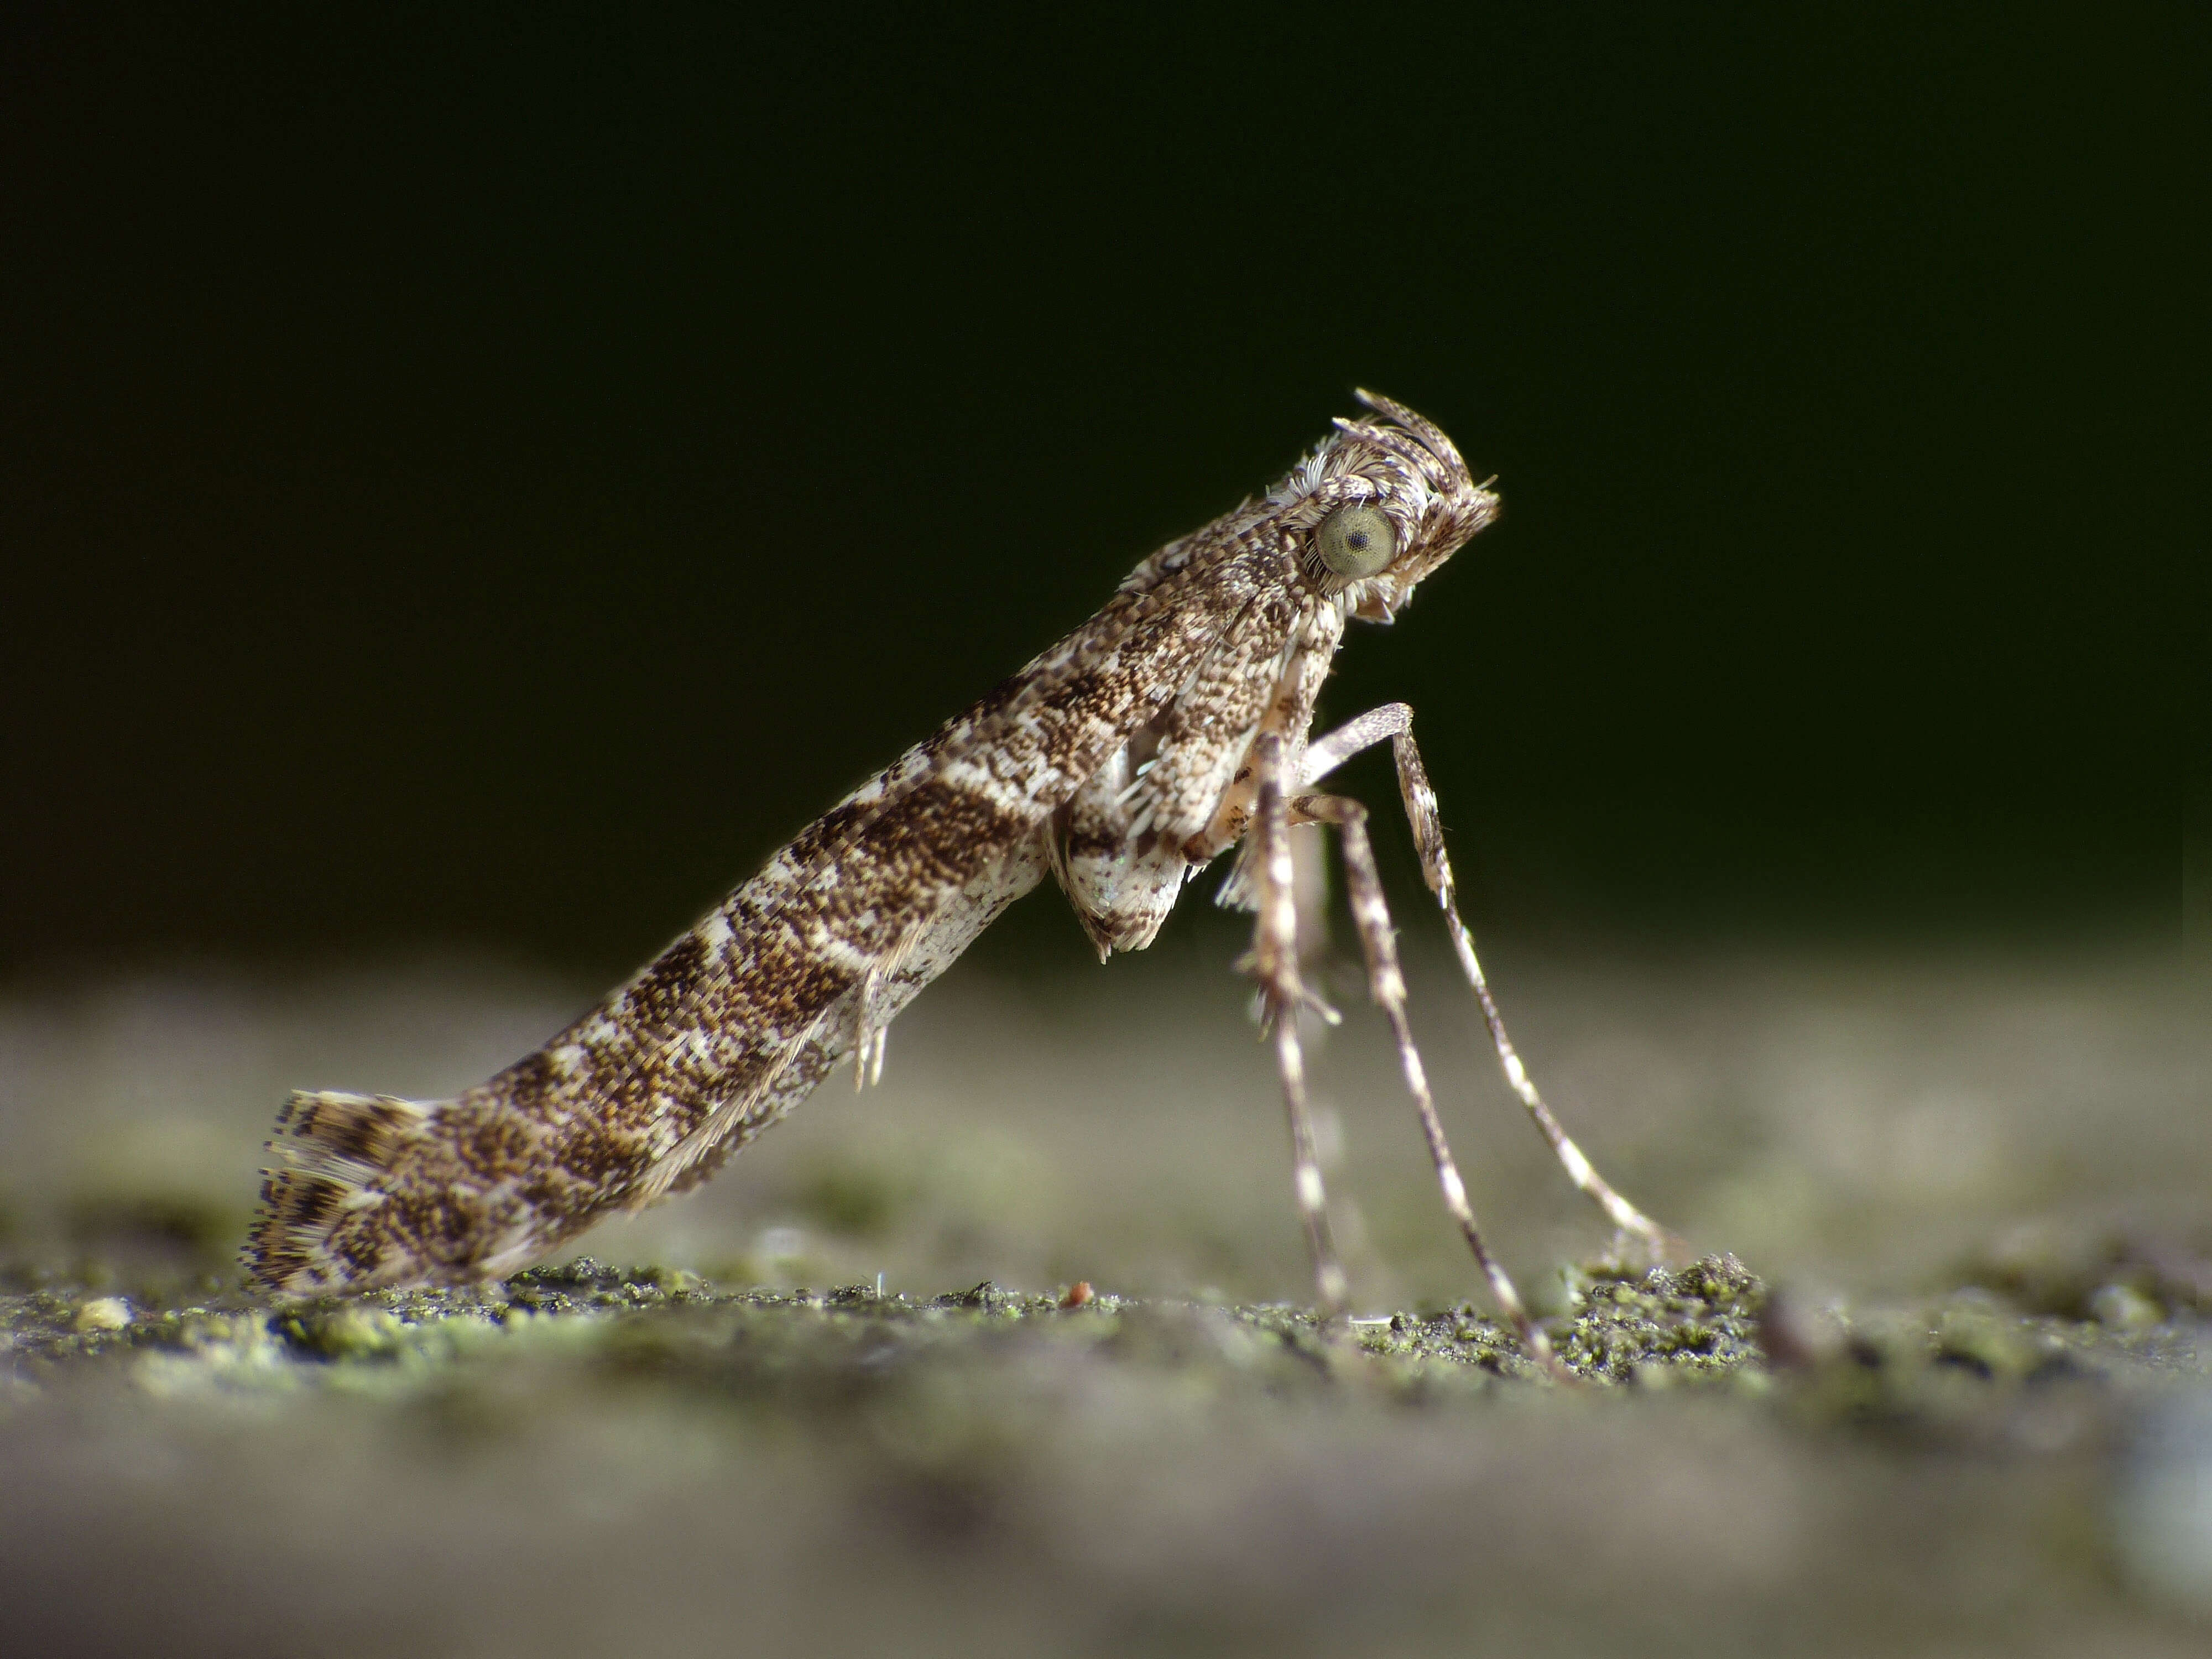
{"x":2124,"y":1308}
{"x":104,"y":1313}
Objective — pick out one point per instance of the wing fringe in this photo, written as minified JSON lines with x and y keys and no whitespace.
{"x":332,"y":1150}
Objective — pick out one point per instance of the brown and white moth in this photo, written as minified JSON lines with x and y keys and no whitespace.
{"x":1168,"y":730}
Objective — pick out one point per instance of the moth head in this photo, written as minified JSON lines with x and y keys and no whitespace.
{"x":1381,"y":504}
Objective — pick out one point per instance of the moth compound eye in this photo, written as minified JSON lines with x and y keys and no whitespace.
{"x":1356,"y":541}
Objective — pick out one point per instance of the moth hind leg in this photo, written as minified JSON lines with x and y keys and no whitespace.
{"x":1427,"y":822}
{"x":1394,"y":721}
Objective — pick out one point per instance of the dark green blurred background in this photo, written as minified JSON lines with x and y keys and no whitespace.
{"x":486,"y":480}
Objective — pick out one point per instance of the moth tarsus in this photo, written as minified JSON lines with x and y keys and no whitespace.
{"x":1169,"y":729}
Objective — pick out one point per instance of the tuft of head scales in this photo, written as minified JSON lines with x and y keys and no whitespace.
{"x":1404,"y":465}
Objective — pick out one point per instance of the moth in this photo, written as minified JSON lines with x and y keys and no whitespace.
{"x":1168,"y":731}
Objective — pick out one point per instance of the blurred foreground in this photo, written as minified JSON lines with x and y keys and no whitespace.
{"x":1983,"y":1420}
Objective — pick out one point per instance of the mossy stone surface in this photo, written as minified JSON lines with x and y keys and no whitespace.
{"x":837,"y":1466}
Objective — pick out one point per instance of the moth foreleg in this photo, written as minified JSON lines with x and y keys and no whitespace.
{"x":1274,"y":961}
{"x":1427,"y":822}
{"x":1386,"y":984}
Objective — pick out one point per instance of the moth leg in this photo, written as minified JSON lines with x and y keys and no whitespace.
{"x":1395,"y":721}
{"x":1274,"y":961}
{"x":1324,"y":755}
{"x":1387,"y":985}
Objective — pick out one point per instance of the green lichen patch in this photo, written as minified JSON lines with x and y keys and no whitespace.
{"x":2117,"y":1276}
{"x":1970,"y":1369}
{"x":1966,"y":1363}
{"x":1701,"y":1324}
